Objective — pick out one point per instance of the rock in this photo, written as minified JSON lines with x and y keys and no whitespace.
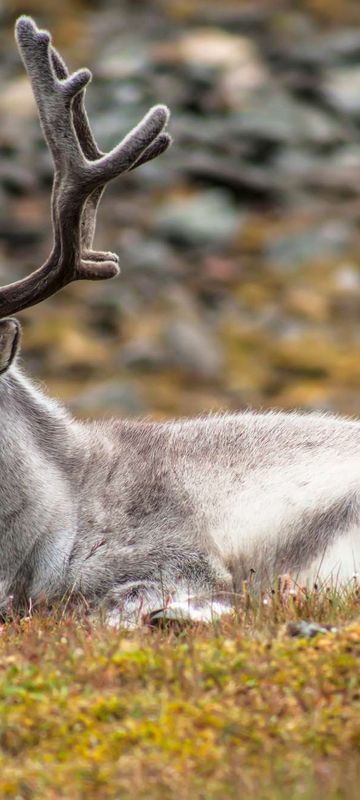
{"x":109,"y":127}
{"x":347,"y":278}
{"x":341,"y":87}
{"x":309,"y":49}
{"x":143,"y":354}
{"x":152,"y":256}
{"x":191,"y":346}
{"x":337,"y":173}
{"x":190,"y":130}
{"x":342,"y":44}
{"x":16,"y":98}
{"x":274,"y":116}
{"x":203,"y":218}
{"x":219,"y":67}
{"x":248,"y":181}
{"x":262,"y":179}
{"x":16,"y":178}
{"x":213,"y":48}
{"x":118,"y":63}
{"x":120,"y":397}
{"x":18,"y":236}
{"x":313,"y":243}
{"x":346,"y":158}
{"x":236,"y":87}
{"x":296,"y":163}
{"x":345,"y":300}
{"x":4,"y":266}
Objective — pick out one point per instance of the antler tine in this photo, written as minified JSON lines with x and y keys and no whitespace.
{"x":92,"y":152}
{"x":53,"y":97}
{"x":82,"y":126}
{"x":81,"y":169}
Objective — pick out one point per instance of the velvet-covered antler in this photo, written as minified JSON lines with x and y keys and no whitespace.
{"x":81,"y":170}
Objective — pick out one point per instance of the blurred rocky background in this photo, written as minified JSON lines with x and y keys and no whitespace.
{"x":240,"y":247}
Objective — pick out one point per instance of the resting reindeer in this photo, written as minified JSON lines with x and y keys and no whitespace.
{"x":135,"y":516}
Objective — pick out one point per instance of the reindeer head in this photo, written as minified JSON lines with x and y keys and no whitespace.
{"x":81,"y":172}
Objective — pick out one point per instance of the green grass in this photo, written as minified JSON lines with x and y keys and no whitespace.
{"x":236,"y":710}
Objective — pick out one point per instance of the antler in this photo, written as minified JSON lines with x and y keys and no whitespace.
{"x":81,"y":170}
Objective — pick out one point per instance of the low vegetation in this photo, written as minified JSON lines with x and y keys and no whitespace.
{"x":242,"y":708}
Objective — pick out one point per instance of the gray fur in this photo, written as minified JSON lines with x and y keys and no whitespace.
{"x":133,"y":516}
{"x":126,"y":512}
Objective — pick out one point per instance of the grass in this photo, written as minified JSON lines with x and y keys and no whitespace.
{"x":237,"y":709}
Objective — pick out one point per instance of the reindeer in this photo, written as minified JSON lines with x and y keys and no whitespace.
{"x":134,"y":517}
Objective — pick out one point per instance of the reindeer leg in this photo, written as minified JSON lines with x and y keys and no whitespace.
{"x":154,"y":604}
{"x":186,"y":609}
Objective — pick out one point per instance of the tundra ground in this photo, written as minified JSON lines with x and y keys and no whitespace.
{"x":236,"y":709}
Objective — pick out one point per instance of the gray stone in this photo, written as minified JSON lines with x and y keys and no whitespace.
{"x":190,"y":345}
{"x":310,"y":48}
{"x":142,"y":354}
{"x":207,"y":217}
{"x":296,"y":163}
{"x":150,"y":255}
{"x":116,"y":63}
{"x":15,"y":177}
{"x":109,"y":127}
{"x":336,"y":173}
{"x":341,"y":87}
{"x":274,"y":116}
{"x":331,"y":238}
{"x":113,"y":396}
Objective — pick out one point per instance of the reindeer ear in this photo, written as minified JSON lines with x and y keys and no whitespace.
{"x":10,"y":334}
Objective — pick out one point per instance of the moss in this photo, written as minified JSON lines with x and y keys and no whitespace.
{"x":238,"y":708}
